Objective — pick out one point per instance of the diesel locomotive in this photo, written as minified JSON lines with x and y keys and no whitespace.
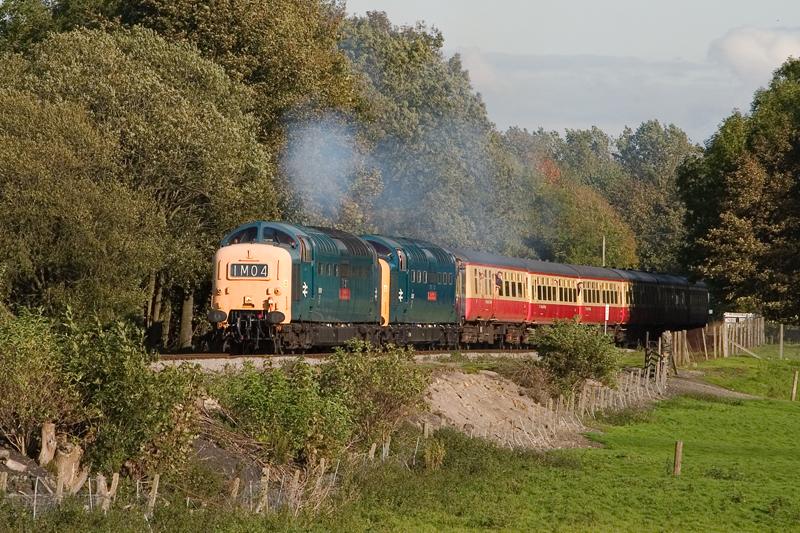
{"x":280,"y":287}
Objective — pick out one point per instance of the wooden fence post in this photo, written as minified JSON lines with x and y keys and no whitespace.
{"x":151,"y":501}
{"x":794,"y":385}
{"x":724,"y":339}
{"x":235,"y":490}
{"x":263,"y":503}
{"x":105,"y":493}
{"x":676,"y":468}
{"x":48,"y":450}
{"x":705,"y":346}
{"x":372,"y":451}
{"x":780,"y":349}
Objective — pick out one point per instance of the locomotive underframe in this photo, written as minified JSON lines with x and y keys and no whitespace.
{"x":250,"y":333}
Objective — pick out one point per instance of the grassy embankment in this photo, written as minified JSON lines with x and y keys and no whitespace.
{"x":740,"y":473}
{"x":768,"y":377}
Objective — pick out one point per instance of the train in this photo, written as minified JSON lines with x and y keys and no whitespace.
{"x":279,"y":287}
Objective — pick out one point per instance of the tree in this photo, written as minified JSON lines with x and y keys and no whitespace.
{"x":184,"y":139}
{"x":587,"y":157}
{"x":284,"y":50}
{"x":435,"y":149}
{"x":35,"y":388}
{"x":574,"y":219}
{"x":71,"y":234}
{"x":649,"y":200}
{"x":748,"y":221}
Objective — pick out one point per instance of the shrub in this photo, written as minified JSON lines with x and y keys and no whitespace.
{"x":132,"y":413}
{"x":285,"y":409}
{"x":574,"y":352}
{"x":33,"y":387}
{"x":379,"y":386}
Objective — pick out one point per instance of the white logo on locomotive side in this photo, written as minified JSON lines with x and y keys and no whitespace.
{"x":400,"y":295}
{"x":305,"y":289}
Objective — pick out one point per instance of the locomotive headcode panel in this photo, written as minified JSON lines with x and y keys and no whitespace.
{"x":245,"y":270}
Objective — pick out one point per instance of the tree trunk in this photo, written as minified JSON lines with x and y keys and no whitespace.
{"x":48,"y":450}
{"x":156,"y":313}
{"x":68,"y":465}
{"x":148,"y":308}
{"x":166,"y":318}
{"x":187,"y":313}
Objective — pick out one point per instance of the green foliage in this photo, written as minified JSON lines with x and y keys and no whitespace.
{"x":575,"y":219}
{"x":72,"y":235}
{"x":286,"y":410}
{"x":95,"y":383}
{"x":378,"y":386}
{"x":742,"y":198}
{"x":131,"y":175}
{"x":133,"y":415}
{"x":34,"y":388}
{"x":285,"y":51}
{"x":575,"y":352}
{"x":649,"y":200}
{"x":302,"y":414}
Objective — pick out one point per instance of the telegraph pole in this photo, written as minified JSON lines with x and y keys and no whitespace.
{"x":604,"y":250}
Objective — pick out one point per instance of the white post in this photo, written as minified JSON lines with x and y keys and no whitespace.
{"x":604,"y":251}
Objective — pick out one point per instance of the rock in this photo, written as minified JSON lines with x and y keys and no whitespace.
{"x":16,"y":466}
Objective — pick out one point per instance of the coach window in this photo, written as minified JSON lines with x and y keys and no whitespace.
{"x":401,"y":259}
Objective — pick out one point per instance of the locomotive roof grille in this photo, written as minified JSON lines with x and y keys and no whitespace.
{"x":352,"y":244}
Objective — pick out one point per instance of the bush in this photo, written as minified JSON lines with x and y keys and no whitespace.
{"x":574,"y":352}
{"x":379,"y":386}
{"x":285,"y":409}
{"x":132,"y":413}
{"x":33,"y":387}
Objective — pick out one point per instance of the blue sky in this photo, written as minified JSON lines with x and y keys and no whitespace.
{"x":578,"y":63}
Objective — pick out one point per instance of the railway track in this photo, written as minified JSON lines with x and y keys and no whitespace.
{"x":218,"y":361}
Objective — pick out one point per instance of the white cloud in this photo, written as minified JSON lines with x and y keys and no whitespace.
{"x":754,"y":53}
{"x":578,"y":91}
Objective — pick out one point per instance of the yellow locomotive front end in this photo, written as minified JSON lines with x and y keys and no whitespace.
{"x":251,"y":287}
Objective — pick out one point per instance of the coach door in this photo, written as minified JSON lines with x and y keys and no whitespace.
{"x":385,"y":291}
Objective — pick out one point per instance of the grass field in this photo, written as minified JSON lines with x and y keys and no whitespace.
{"x":740,"y":474}
{"x":768,"y":377}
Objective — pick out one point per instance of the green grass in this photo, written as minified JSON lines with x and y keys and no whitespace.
{"x":772,"y":351}
{"x":769,"y":378}
{"x":740,"y":472}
